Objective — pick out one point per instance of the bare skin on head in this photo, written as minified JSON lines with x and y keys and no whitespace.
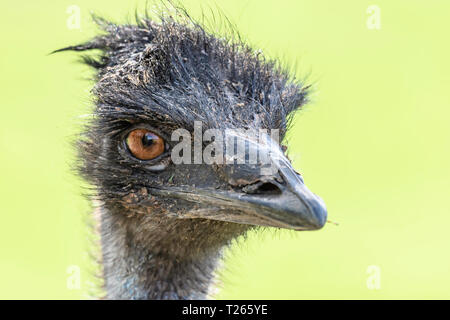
{"x":163,"y":225}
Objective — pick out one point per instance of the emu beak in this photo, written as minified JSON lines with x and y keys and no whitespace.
{"x":284,"y":203}
{"x":310,"y":212}
{"x":296,"y":207}
{"x":273,"y":193}
{"x":278,"y":200}
{"x":267,"y":193}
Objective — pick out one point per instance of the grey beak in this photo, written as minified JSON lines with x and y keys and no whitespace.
{"x":281,"y":201}
{"x":285,"y":202}
{"x":276,"y":198}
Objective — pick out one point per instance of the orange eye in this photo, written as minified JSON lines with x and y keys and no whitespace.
{"x":144,"y":144}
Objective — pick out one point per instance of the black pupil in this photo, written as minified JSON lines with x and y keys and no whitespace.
{"x":148,"y":139}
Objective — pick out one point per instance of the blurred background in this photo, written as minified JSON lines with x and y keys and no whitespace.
{"x":374,"y":143}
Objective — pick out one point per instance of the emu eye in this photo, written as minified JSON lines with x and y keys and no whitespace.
{"x":144,"y":144}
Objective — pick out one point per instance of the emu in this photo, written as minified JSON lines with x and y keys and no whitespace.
{"x":163,"y":226}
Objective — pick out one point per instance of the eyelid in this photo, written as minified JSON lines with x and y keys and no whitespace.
{"x":158,"y":167}
{"x":147,"y":127}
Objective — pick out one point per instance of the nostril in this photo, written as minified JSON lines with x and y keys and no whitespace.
{"x":266,"y":187}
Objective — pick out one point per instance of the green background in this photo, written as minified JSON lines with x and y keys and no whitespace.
{"x":373,"y":143}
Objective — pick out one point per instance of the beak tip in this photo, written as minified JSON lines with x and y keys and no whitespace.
{"x":319,"y":214}
{"x":320,"y":222}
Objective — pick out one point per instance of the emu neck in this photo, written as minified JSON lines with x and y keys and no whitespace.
{"x":147,"y":257}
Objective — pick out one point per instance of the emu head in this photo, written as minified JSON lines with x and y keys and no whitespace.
{"x":160,"y":88}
